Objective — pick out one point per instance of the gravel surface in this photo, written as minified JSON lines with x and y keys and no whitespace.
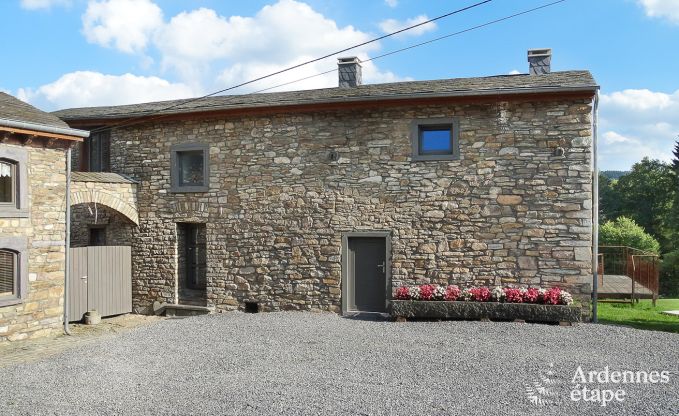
{"x":305,"y":363}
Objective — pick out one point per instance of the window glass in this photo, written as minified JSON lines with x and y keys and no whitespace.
{"x":435,"y":140}
{"x":191,"y":168}
{"x":7,"y":178}
{"x":7,"y":272}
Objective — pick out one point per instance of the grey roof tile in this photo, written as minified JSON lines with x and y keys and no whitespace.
{"x":11,"y":108}
{"x":502,"y":84}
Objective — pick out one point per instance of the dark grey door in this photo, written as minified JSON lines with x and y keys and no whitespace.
{"x":367,"y":274}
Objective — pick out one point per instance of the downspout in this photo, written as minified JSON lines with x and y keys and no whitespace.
{"x":67,"y":257}
{"x":595,"y":209}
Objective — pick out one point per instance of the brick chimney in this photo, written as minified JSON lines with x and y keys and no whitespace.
{"x":539,"y":61}
{"x":349,"y":70}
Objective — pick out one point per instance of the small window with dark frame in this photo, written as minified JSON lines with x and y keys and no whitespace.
{"x":8,"y":273}
{"x":8,"y":185}
{"x":190,"y":167}
{"x":435,"y":139}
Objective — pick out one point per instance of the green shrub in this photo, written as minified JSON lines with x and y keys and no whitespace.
{"x":669,"y":274}
{"x":625,"y":232}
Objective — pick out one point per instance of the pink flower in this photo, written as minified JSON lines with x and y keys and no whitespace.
{"x":531,"y":295}
{"x":513,"y":295}
{"x":480,"y":294}
{"x":552,"y":296}
{"x":427,"y":292}
{"x":452,"y":293}
{"x":402,"y":293}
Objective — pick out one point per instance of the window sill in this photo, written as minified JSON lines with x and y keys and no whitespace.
{"x":189,"y":189}
{"x":13,"y":213}
{"x":10,"y":301}
{"x":417,"y":158}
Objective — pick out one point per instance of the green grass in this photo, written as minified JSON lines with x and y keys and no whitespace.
{"x":642,"y":315}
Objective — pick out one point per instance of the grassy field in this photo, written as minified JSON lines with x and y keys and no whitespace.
{"x":643,"y":315}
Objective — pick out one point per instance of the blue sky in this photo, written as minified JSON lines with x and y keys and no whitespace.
{"x":67,"y":53}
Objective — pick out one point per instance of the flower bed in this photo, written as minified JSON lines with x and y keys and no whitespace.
{"x":499,"y":303}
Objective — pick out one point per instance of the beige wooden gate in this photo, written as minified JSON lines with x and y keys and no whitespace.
{"x":101,"y":279}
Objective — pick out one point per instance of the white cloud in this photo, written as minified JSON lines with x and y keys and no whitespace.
{"x":43,"y":4}
{"x":86,"y":88}
{"x":124,"y":24}
{"x":391,"y":3}
{"x":197,"y":42}
{"x":635,"y":123}
{"x":392,"y":25}
{"x":664,"y":9}
{"x":514,"y":72}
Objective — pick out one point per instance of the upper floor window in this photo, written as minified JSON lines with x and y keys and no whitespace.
{"x":13,"y":270}
{"x":190,"y":168}
{"x":95,"y":154}
{"x":435,"y":139}
{"x":8,"y":182}
{"x":13,"y":182}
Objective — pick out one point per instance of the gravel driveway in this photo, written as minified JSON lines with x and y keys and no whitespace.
{"x":305,"y":363}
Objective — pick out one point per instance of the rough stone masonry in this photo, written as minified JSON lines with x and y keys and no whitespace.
{"x":510,"y":210}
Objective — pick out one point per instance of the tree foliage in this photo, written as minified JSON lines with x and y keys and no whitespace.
{"x":625,"y":232}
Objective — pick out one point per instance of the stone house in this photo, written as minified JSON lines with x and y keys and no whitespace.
{"x":33,"y":149}
{"x":328,"y":199}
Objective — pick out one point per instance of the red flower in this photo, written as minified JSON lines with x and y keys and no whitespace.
{"x":531,"y":295}
{"x":427,"y":292}
{"x":480,"y":294}
{"x":513,"y":295}
{"x":553,"y":296}
{"x":402,"y":293}
{"x":452,"y":293}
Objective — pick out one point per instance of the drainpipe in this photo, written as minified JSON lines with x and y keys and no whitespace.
{"x":67,"y":257}
{"x":595,"y":209}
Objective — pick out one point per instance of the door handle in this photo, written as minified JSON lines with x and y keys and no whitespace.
{"x":382,"y":266}
{"x":83,"y":277}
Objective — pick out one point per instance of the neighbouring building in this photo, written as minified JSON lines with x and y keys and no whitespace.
{"x":328,"y":199}
{"x":33,"y":147}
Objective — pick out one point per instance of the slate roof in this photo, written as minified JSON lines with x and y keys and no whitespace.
{"x":503,"y":84}
{"x":101,"y":177}
{"x":12,"y":108}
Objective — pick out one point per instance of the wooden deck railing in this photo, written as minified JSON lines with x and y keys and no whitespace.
{"x":641,"y":267}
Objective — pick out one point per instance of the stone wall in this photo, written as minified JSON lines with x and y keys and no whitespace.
{"x":41,"y":312}
{"x":119,"y":230}
{"x":509,"y":211}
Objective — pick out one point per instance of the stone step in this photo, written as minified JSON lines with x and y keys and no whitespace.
{"x":170,"y":309}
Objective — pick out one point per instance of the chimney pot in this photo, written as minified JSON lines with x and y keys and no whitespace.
{"x":539,"y":61}
{"x":349,"y":70}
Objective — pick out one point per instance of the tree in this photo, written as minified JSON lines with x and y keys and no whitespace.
{"x":647,"y":195}
{"x":625,"y":232}
{"x":675,"y":161}
{"x":609,"y":198}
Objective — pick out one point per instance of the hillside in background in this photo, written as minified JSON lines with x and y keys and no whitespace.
{"x":614,"y":174}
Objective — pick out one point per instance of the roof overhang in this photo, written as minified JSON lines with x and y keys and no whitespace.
{"x":359,"y":102}
{"x":42,"y":130}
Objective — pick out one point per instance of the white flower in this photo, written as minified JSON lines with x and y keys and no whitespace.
{"x":439,"y":292}
{"x":497,"y":294}
{"x":565,"y":298}
{"x":414,"y":292}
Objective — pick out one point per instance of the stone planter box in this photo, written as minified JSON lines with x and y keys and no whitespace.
{"x":403,"y":309}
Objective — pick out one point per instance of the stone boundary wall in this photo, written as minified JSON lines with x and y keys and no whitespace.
{"x":511,"y":210}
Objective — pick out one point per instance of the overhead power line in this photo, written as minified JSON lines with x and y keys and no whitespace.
{"x":417,"y":45}
{"x":290,"y":68}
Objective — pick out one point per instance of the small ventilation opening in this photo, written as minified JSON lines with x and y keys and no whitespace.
{"x":251,"y":307}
